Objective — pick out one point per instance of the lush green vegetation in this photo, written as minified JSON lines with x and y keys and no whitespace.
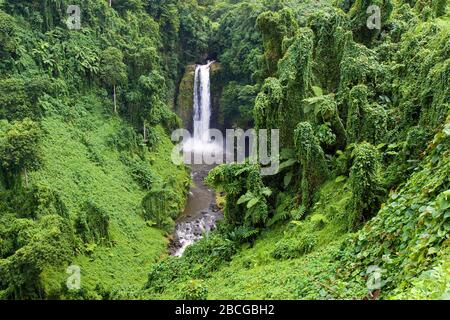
{"x":364,"y":168}
{"x":86,"y":176}
{"x":85,"y":118}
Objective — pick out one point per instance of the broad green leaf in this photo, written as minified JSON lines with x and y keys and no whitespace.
{"x":252,"y":202}
{"x":317,"y":91}
{"x":245,"y":198}
{"x":287,"y":163}
{"x":287,"y":179}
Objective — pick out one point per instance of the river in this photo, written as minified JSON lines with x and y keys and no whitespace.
{"x":200,"y":214}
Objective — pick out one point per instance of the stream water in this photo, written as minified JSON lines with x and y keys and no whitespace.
{"x":201,"y":213}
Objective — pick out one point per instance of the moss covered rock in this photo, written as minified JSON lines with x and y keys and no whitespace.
{"x":185,"y":96}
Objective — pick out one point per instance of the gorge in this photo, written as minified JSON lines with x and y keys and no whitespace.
{"x":358,"y":210}
{"x":201,"y":213}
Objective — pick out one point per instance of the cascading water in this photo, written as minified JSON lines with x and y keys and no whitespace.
{"x":202,"y":111}
{"x":201,"y":212}
{"x":202,"y":103}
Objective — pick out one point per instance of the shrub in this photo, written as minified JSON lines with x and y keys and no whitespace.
{"x":163,"y":273}
{"x":312,"y":159}
{"x":193,"y":290}
{"x":209,"y":253}
{"x":246,"y":195}
{"x":294,"y":247}
{"x":92,"y":224}
{"x":46,"y":201}
{"x":156,"y":209}
{"x":416,"y":142}
{"x":365,"y":183}
{"x":125,"y":139}
{"x":143,"y":175}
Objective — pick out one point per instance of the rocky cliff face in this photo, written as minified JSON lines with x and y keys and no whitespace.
{"x":217,"y":84}
{"x":185,"y":97}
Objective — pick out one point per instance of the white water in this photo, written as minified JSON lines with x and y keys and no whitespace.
{"x":201,"y":140}
{"x":202,"y":103}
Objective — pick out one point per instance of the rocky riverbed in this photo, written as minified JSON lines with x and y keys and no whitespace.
{"x":200,"y":215}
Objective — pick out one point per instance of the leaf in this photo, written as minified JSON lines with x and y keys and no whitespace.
{"x":318,"y":217}
{"x":245,"y":198}
{"x":312,"y":101}
{"x":447,"y":129}
{"x":287,"y":163}
{"x":266,"y":191}
{"x":252,"y":202}
{"x":443,"y":201}
{"x":240,"y":171}
{"x":308,"y":108}
{"x":340,"y":179}
{"x":317,"y":91}
{"x":287,"y":179}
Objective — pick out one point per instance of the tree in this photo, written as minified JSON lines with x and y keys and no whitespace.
{"x":365,"y":122}
{"x":43,"y":246}
{"x":246,"y":195}
{"x":312,"y":160}
{"x":19,"y":148}
{"x":156,"y":208}
{"x":7,"y":34}
{"x":360,"y":13}
{"x":14,"y":103}
{"x":268,"y":104}
{"x":365,"y":183}
{"x":275,"y":26}
{"x":113,"y":70}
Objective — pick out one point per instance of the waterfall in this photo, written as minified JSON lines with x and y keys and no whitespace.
{"x":200,"y":213}
{"x":201,"y":140}
{"x":202,"y":103}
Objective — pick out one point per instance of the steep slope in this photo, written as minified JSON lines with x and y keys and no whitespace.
{"x":85,"y":148}
{"x":359,"y":208}
{"x":84,"y":167}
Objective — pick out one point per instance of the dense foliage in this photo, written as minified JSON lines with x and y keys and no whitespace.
{"x":82,"y":115}
{"x":363,"y":181}
{"x":86,"y":175}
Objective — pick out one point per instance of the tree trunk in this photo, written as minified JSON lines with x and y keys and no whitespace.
{"x":145,"y":133}
{"x":115,"y":101}
{"x":110,"y":3}
{"x":25,"y":173}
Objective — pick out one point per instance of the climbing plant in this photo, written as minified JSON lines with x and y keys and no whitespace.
{"x":312,"y":161}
